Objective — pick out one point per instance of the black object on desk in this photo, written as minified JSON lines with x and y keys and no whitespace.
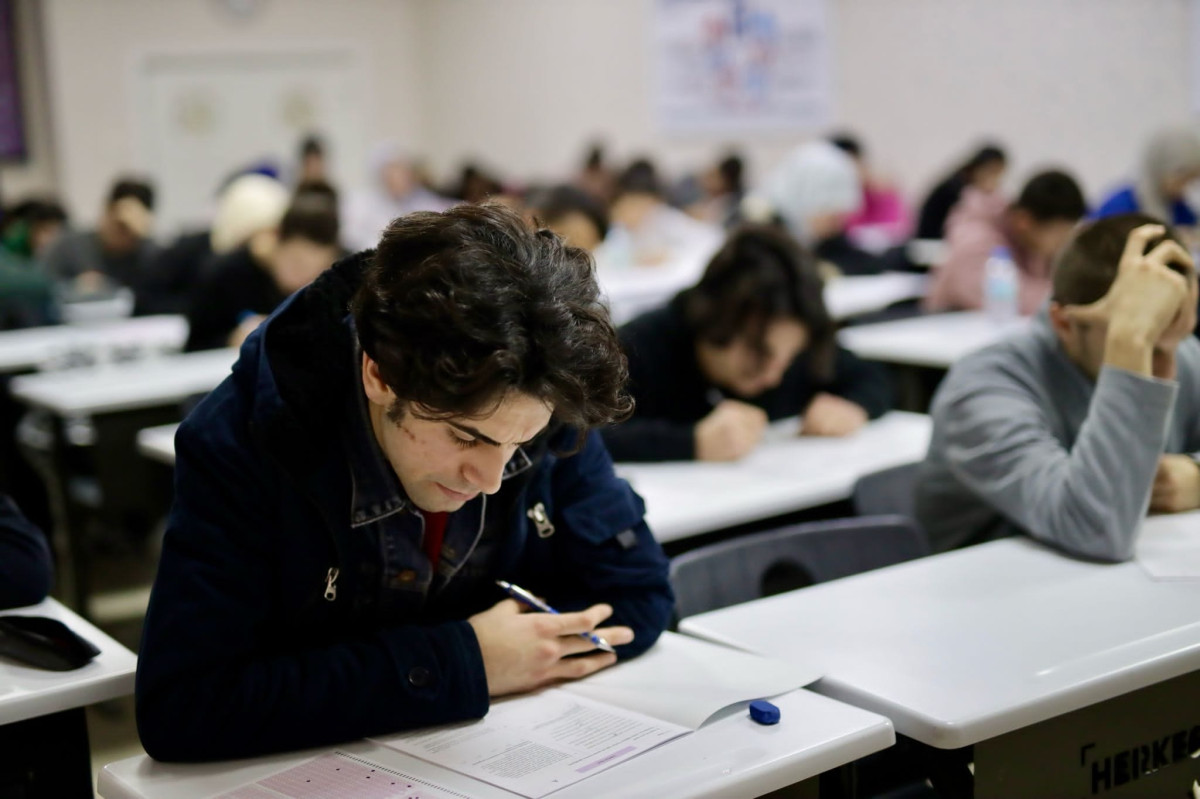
{"x":44,"y":643}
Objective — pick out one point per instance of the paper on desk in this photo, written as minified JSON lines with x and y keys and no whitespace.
{"x":685,"y":680}
{"x":533,"y":745}
{"x":1169,"y":546}
{"x":339,"y":774}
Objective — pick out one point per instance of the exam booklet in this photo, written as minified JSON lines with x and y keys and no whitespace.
{"x":1168,"y":546}
{"x":536,"y":744}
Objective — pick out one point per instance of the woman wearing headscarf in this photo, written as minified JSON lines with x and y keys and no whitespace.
{"x":394,"y":191}
{"x":815,"y":191}
{"x":1170,"y":162}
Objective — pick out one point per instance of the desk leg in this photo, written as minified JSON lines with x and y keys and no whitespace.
{"x":1142,"y":744}
{"x":46,"y":757}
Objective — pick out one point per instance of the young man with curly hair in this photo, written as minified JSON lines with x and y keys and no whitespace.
{"x":416,"y":424}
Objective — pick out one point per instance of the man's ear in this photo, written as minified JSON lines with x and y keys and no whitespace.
{"x":377,"y":391}
{"x":1060,"y":320}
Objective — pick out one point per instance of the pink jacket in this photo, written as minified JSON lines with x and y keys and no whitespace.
{"x":976,"y":226}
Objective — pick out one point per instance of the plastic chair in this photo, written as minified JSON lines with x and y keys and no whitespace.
{"x":754,"y":566}
{"x":890,"y":491}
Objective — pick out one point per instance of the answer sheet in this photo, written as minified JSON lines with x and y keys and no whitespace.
{"x":533,"y":745}
{"x":339,"y":775}
{"x":1168,"y":546}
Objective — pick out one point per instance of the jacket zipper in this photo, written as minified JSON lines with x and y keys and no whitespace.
{"x":331,"y":583}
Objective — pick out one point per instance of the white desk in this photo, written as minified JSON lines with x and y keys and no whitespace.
{"x":22,"y":350}
{"x":27,"y":692}
{"x":1009,"y":646}
{"x":43,"y":729}
{"x":158,"y":443}
{"x":935,"y":341}
{"x":855,"y":295}
{"x":729,"y":756}
{"x":786,"y":474}
{"x":125,"y":386}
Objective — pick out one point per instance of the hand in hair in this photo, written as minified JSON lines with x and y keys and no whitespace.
{"x":730,"y":431}
{"x":1151,"y":305}
{"x":1176,"y":485}
{"x":522,"y":650}
{"x":828,"y":415}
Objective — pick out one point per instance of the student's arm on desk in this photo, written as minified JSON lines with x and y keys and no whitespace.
{"x":1089,"y":500}
{"x":864,"y":383}
{"x":643,"y":440}
{"x":595,"y":559}
{"x":25,"y":573}
{"x":209,"y":687}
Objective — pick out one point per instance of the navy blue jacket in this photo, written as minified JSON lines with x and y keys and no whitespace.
{"x":25,"y":571}
{"x":293,"y":605}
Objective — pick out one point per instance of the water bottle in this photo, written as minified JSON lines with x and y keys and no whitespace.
{"x":1000,"y":286}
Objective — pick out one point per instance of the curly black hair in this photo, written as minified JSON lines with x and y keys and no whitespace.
{"x":462,"y":307}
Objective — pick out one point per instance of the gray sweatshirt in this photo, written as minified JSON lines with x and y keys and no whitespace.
{"x":1025,"y":442}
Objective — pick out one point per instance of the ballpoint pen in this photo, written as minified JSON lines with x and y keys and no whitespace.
{"x":521,"y":595}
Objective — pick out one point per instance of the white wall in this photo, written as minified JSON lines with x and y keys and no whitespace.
{"x":1059,"y":81}
{"x":524,"y":84}
{"x":94,"y":47}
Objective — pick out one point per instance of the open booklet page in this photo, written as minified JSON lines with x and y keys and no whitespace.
{"x":1168,"y":546}
{"x":533,"y":745}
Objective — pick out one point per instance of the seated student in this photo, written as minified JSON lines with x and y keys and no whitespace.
{"x":116,"y":253}
{"x":1033,"y":229}
{"x":25,"y":567}
{"x":1059,"y":431}
{"x":983,"y":172}
{"x":647,"y":231}
{"x":750,"y":342}
{"x":1170,"y":162}
{"x":722,"y":188}
{"x":395,"y":189}
{"x":416,"y":424}
{"x":249,"y":206}
{"x":572,"y":213}
{"x":815,"y":191}
{"x":249,"y":283}
{"x":882,"y":219}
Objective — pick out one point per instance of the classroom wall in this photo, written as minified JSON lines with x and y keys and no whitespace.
{"x":1057,"y":80}
{"x":525,"y":83}
{"x":94,"y":47}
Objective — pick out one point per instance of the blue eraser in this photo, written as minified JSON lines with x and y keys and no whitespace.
{"x":764,"y":712}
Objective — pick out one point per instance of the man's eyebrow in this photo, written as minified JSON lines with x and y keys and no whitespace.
{"x":471,"y":431}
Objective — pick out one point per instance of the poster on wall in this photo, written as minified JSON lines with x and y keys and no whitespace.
{"x":12,"y":127}
{"x":740,"y":66}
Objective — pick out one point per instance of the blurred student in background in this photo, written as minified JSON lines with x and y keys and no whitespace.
{"x":882,"y":219}
{"x":983,"y":171}
{"x":722,"y":188}
{"x":249,"y":283}
{"x":647,"y":231}
{"x":815,"y":191}
{"x":751,"y":342}
{"x":572,"y":213}
{"x":1033,"y":229}
{"x":1167,"y":181}
{"x":249,"y":205}
{"x":117,"y":253}
{"x":395,"y":190}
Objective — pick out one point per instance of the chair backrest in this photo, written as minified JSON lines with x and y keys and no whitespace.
{"x":763,"y":564}
{"x":887,"y":492}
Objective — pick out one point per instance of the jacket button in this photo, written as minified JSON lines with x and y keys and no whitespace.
{"x":419,"y":677}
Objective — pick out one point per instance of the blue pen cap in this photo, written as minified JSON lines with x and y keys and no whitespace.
{"x":764,"y":712}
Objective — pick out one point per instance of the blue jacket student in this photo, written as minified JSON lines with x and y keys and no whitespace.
{"x":25,"y":569}
{"x":296,"y":602}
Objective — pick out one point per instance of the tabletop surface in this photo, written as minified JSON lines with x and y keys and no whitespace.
{"x":786,"y":473}
{"x":935,"y":340}
{"x":729,"y":756}
{"x":30,"y":348}
{"x":960,"y":647}
{"x":27,"y":692}
{"x":149,"y":382}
